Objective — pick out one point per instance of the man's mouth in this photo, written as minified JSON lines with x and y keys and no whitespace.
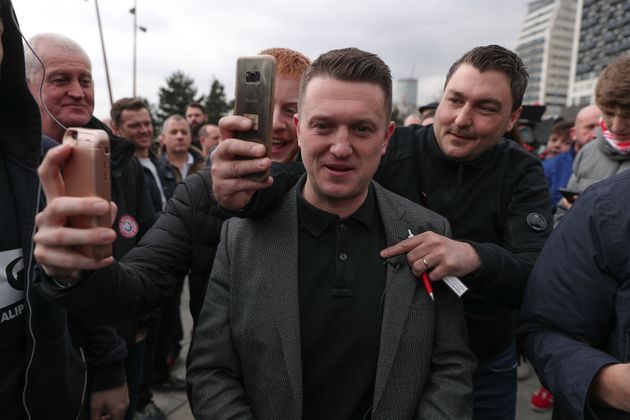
{"x":462,"y":135}
{"x":278,"y":145}
{"x":338,"y":168}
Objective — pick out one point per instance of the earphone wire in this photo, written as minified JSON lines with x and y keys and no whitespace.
{"x":41,"y":84}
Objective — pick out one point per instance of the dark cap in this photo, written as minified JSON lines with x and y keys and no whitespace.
{"x":430,"y":105}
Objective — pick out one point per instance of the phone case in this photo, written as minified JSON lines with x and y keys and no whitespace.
{"x":86,"y":173}
{"x":255,"y":79}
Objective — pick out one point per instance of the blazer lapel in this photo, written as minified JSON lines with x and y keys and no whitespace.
{"x":282,"y":283}
{"x":399,"y":290}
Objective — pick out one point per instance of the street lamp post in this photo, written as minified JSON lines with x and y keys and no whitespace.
{"x":100,"y":30}
{"x":134,"y":12}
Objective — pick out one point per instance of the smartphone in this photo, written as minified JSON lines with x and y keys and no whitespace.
{"x":568,"y":195}
{"x":255,"y":79}
{"x":86,"y":173}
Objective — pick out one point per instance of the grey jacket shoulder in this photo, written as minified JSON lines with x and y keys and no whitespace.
{"x":596,"y":161}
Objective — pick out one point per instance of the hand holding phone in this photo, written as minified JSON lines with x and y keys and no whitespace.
{"x":255,"y":79}
{"x":569,"y":195}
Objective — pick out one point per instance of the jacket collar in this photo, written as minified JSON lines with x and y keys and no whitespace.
{"x":438,"y":155}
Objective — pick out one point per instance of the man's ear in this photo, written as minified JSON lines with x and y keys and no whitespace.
{"x":388,"y":134}
{"x":296,"y":123}
{"x":514,"y":116}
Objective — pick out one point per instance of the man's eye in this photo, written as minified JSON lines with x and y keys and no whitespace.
{"x":455,"y":101}
{"x":290,"y":112}
{"x":363,"y":130}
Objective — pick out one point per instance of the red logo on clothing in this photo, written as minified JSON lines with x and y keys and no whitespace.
{"x":128,"y":226}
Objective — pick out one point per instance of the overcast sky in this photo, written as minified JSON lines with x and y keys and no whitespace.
{"x":203,"y":38}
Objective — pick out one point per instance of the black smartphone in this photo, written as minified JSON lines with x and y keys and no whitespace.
{"x":255,"y":79}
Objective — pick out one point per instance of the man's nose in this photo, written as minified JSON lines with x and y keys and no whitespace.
{"x":277,"y":123}
{"x":620,"y":124}
{"x":341,"y":146}
{"x":464,"y":116}
{"x":75,"y":89}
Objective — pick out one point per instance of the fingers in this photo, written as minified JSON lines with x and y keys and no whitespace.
{"x":228,"y":126}
{"x":60,"y":262}
{"x":55,"y":243}
{"x":230,"y":189}
{"x":49,"y":171}
{"x":405,"y":246}
{"x":59,"y":209}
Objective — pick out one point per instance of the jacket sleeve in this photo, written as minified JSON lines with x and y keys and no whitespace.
{"x":526,"y":226}
{"x":214,"y":374}
{"x":285,"y":176}
{"x":105,"y":353}
{"x":567,"y":314}
{"x":146,"y":276}
{"x":447,"y":392}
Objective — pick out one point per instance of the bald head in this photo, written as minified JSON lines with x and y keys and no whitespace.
{"x":586,"y":123}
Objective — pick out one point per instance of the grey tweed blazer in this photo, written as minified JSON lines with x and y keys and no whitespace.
{"x":245,"y":358}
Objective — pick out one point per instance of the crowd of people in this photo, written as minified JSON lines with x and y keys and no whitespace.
{"x":380,"y":272}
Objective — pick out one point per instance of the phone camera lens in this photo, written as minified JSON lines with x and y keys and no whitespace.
{"x":252,"y":77}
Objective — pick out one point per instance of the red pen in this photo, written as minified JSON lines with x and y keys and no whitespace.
{"x":426,"y":281}
{"x":427,"y":285}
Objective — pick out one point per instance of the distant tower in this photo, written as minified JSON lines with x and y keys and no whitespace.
{"x":602,"y":34}
{"x":406,"y":98}
{"x":545,"y":46}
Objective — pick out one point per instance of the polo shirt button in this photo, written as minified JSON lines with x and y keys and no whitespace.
{"x":343,"y":256}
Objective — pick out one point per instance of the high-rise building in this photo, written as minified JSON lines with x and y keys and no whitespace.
{"x":406,"y":95}
{"x":545,"y":46}
{"x":602,"y":34}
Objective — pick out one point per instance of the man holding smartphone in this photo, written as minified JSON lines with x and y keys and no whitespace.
{"x":301,"y":312}
{"x":183,"y":240}
{"x":493,"y":193}
{"x":68,"y":94}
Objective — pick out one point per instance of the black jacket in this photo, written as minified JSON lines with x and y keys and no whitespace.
{"x":183,"y":239}
{"x":55,"y":378}
{"x":499,"y":203}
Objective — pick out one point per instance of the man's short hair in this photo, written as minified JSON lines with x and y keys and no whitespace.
{"x":496,"y":58}
{"x":290,"y":64}
{"x":562,"y":128}
{"x":196,"y":105}
{"x":351,"y":65}
{"x":174,"y":117}
{"x":613,"y":85}
{"x":203,"y":130}
{"x":37,"y":43}
{"x":130,"y":104}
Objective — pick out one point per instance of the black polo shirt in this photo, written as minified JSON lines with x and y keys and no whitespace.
{"x":341,"y":284}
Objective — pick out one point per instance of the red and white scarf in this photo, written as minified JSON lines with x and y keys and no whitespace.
{"x":619,"y":143}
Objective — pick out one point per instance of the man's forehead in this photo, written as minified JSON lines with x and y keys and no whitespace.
{"x":136,"y":114}
{"x":486,"y":86}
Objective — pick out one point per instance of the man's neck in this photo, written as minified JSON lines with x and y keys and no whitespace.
{"x":54,"y":131}
{"x":178,"y":159}
{"x":341,"y":207}
{"x":142,"y":153}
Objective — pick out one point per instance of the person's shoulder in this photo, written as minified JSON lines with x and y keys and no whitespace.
{"x":407,"y":141}
{"x":556,"y":161}
{"x":394,"y":204}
